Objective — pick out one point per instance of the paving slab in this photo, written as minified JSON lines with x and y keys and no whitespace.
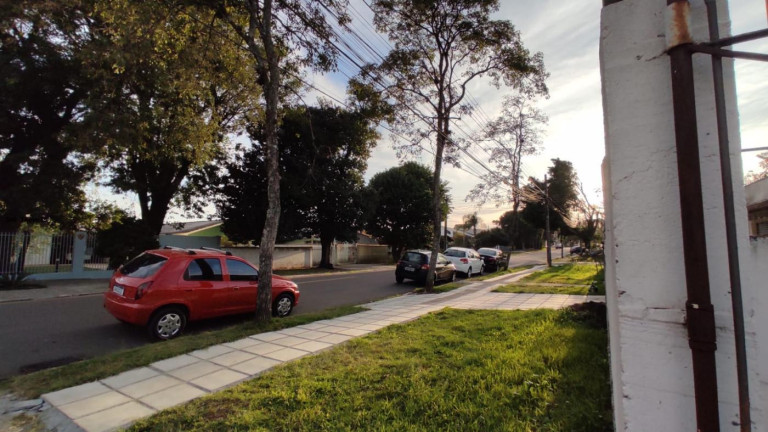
{"x":76,"y":393}
{"x":313,"y":346}
{"x":242,"y":343}
{"x":149,"y":386}
{"x":286,"y":354}
{"x":289,"y":341}
{"x":263,"y":348}
{"x":195,"y":370}
{"x":115,"y":417}
{"x":219,"y":379}
{"x":256,"y":365}
{"x":94,"y":404}
{"x":176,"y":362}
{"x":130,"y":377}
{"x":233,"y":357}
{"x":211,"y":352}
{"x":172,"y":396}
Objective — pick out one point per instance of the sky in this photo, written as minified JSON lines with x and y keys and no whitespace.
{"x":567,"y":33}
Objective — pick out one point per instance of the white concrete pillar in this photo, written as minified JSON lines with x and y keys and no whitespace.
{"x":78,"y":252}
{"x":650,"y":358}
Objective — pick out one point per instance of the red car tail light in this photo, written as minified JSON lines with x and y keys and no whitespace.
{"x":143,"y":289}
{"x":425,"y":266}
{"x":464,"y":261}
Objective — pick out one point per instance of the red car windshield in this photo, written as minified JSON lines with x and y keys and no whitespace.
{"x":143,"y":266}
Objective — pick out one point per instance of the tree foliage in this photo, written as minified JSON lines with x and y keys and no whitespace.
{"x":753,"y":176}
{"x":561,"y":186}
{"x":171,"y":87}
{"x":440,"y":47}
{"x":492,"y":238}
{"x":399,"y":202}
{"x":324,"y":152}
{"x":43,"y":86}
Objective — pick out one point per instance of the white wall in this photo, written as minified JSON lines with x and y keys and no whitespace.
{"x":650,"y":358}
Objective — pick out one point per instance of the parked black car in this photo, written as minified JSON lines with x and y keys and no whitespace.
{"x":494,"y":259}
{"x":415,"y":263}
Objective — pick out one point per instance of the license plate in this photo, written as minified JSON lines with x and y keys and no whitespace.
{"x":410,"y":269}
{"x":117,"y":289}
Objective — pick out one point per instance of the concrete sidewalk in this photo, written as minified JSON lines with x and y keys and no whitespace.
{"x":118,"y":401}
{"x":80,"y":287}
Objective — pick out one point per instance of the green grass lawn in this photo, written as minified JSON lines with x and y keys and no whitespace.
{"x":582,"y":274}
{"x":565,"y":279}
{"x":455,"y":370}
{"x":34,"y":384}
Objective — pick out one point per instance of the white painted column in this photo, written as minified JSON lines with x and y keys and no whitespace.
{"x":650,"y":358}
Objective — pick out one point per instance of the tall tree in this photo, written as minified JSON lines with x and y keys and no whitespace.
{"x":441,"y":46}
{"x":589,"y":219}
{"x":43,"y":163}
{"x":515,"y":133}
{"x":171,"y":88}
{"x":324,"y":153}
{"x":399,"y":204}
{"x":470,"y":221}
{"x":279,"y":36}
{"x":42,"y":89}
{"x":562,"y":187}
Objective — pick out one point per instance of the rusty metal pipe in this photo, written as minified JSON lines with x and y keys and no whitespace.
{"x":700,"y":314}
{"x":734,"y":267}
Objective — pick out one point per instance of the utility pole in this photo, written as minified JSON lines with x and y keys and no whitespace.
{"x":549,"y":246}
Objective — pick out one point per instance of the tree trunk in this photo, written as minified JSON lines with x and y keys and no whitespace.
{"x":397,"y":252}
{"x":442,"y":128}
{"x":271,"y":78}
{"x":325,"y":248}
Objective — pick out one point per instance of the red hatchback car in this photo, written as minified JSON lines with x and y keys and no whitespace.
{"x":163,"y":289}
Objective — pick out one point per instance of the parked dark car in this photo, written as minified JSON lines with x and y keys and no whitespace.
{"x":415,"y":264}
{"x":494,"y":259}
{"x":578,"y":250}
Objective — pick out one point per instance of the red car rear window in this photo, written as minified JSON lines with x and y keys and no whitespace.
{"x":144,"y":265}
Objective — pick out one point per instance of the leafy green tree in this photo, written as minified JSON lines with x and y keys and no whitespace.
{"x":441,"y":46}
{"x":42,"y":90}
{"x":590,"y":219}
{"x":492,"y":238}
{"x":399,"y":204}
{"x":753,"y":176}
{"x":471,"y":221}
{"x":561,"y":184}
{"x":324,"y":152}
{"x":124,"y":240}
{"x":527,"y":235}
{"x":171,"y":87}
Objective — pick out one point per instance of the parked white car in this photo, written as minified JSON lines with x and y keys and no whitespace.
{"x":465,"y":260}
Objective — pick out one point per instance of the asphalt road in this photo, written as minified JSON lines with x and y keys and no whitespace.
{"x":530,"y":258}
{"x":43,"y":333}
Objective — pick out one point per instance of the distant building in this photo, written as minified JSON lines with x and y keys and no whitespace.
{"x":210,"y":228}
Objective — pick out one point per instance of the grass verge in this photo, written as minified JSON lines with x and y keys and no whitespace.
{"x":453,"y":370}
{"x":48,"y":380}
{"x":573,"y":279}
{"x":582,"y":274}
{"x":544,"y":289}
